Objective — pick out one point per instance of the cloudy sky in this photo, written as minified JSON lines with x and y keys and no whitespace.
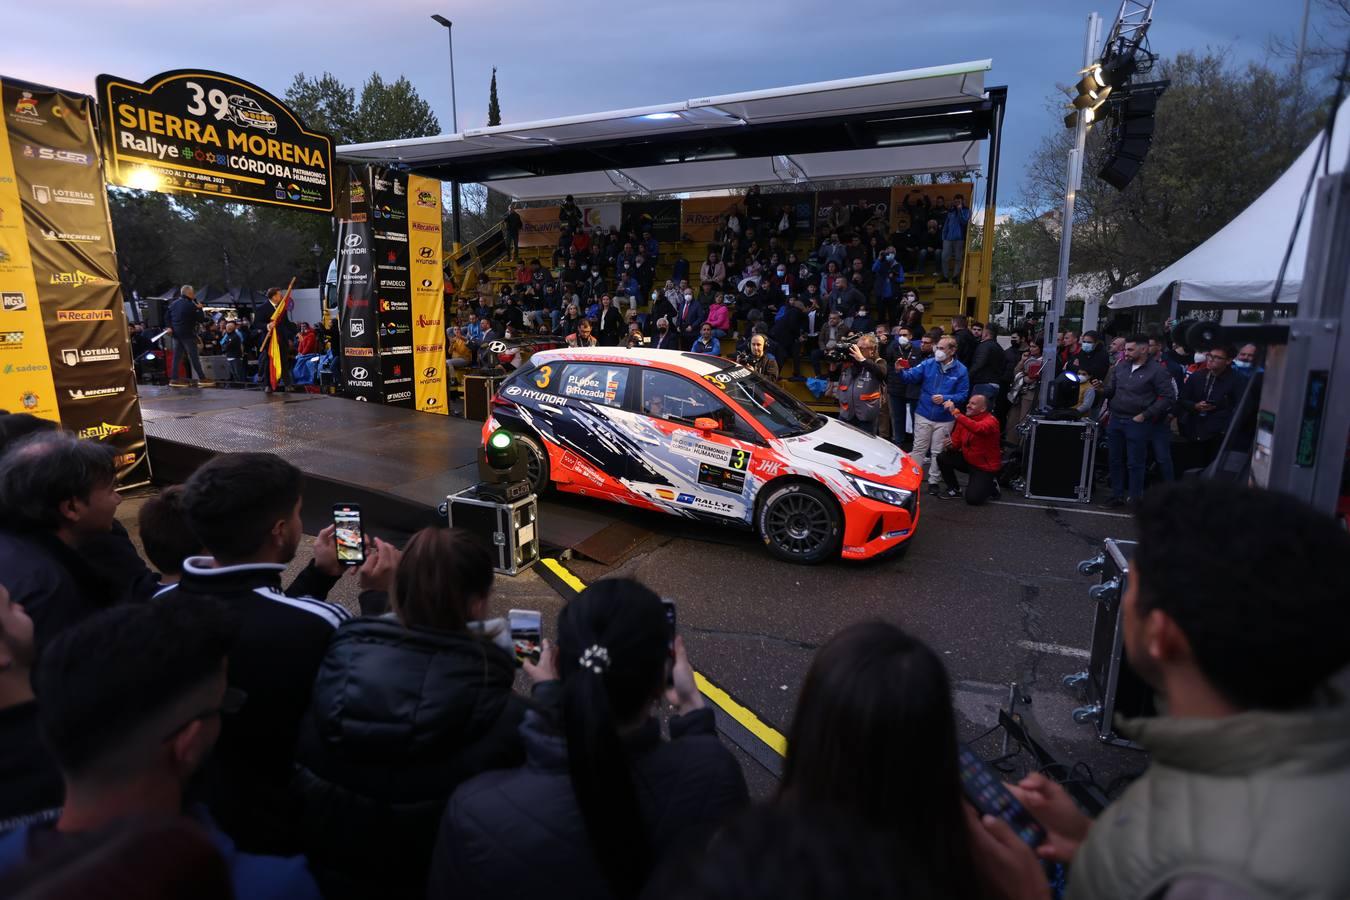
{"x":557,"y":59}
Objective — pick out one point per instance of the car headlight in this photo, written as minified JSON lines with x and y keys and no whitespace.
{"x":893,"y":496}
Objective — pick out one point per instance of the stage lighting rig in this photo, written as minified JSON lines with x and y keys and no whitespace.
{"x":1132,"y":105}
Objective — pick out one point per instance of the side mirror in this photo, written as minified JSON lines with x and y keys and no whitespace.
{"x":705,"y":424}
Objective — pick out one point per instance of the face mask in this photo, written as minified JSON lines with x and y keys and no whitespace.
{"x":655,"y":295}
{"x":1201,"y":357}
{"x":688,"y":296}
{"x":782,"y":272}
{"x":890,"y":257}
{"x":940,"y":355}
{"x":584,"y":268}
{"x":904,"y":341}
{"x":1087,"y":346}
{"x":1242,"y":364}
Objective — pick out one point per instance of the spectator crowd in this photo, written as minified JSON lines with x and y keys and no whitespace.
{"x":196,"y":728}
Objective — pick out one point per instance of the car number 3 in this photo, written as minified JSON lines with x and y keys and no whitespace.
{"x":739,"y":459}
{"x":543,"y":377}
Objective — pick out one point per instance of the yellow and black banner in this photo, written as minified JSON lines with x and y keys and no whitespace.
{"x":64,"y":351}
{"x":428,"y":305}
{"x":208,"y":133}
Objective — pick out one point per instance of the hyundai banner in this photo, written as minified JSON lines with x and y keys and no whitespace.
{"x":389,"y":242}
{"x":64,"y":352}
{"x":356,"y":273}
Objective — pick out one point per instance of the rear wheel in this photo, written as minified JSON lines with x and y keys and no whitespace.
{"x":536,"y":462}
{"x":800,"y":523}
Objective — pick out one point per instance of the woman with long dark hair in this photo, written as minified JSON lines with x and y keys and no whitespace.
{"x":601,"y":798}
{"x":874,"y":738}
{"x":405,"y":707}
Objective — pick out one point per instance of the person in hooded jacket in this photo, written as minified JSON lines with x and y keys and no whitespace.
{"x":406,"y":706}
{"x":601,"y":799}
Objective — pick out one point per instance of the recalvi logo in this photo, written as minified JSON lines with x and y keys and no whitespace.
{"x":84,"y":315}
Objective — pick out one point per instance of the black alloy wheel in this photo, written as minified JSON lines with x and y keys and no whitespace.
{"x":800,"y":523}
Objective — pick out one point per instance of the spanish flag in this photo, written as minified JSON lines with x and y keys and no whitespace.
{"x":274,"y":358}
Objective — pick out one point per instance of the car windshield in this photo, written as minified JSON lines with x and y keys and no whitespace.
{"x":774,"y":408}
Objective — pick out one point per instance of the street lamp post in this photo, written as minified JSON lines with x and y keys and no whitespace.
{"x":454,"y":121}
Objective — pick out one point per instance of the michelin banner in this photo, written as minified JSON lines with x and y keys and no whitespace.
{"x":64,"y":352}
{"x":428,"y":298}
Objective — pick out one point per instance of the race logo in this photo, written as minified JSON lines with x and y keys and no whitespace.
{"x":13,"y":301}
{"x":426,"y":199}
{"x":51,"y":154}
{"x":244,"y":110}
{"x":91,"y":393}
{"x":11,"y":340}
{"x":68,"y":237}
{"x":84,"y":315}
{"x":356,"y":328}
{"x":26,"y":105}
{"x":78,"y":278}
{"x":102,"y":432}
{"x":29,"y":400}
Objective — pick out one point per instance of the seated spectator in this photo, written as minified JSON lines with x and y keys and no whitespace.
{"x":32,"y":783}
{"x":665,"y":338}
{"x":601,"y":799}
{"x":457,"y":352}
{"x":719,"y":317}
{"x":634,"y":338}
{"x":130,"y":703}
{"x":975,"y":449}
{"x":571,"y":319}
{"x":58,"y":494}
{"x":874,"y":734}
{"x":707,"y":342}
{"x":245,"y":509}
{"x":166,"y":535}
{"x":1250,"y":764}
{"x":405,"y":707}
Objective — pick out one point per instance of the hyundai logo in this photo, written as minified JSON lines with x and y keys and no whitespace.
{"x":360,"y":373}
{"x":353,"y":240}
{"x":429,"y":372}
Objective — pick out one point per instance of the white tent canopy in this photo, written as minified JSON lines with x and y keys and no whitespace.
{"x":916,"y":89}
{"x":1240,"y":263}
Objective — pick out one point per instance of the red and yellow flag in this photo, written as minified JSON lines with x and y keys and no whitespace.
{"x":274,"y":358}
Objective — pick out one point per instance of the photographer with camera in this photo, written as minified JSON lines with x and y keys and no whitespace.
{"x":759,"y":360}
{"x":860,"y":384}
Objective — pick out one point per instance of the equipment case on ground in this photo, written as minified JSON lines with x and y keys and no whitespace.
{"x":1060,"y":457}
{"x":478,"y":393}
{"x":511,"y":530}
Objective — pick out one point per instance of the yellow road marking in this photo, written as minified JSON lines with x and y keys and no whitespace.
{"x":568,"y":578}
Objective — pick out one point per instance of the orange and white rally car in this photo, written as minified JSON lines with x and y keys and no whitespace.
{"x":702,"y":437}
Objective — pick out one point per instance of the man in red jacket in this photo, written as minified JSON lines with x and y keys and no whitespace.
{"x":974,"y":449}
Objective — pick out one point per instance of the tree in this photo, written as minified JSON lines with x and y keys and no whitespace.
{"x":325,"y":104}
{"x":1222,"y":136}
{"x":147,"y":227}
{"x":389,"y":112}
{"x":494,"y":108}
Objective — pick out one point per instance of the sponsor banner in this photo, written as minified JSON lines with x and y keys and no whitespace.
{"x":603,"y":216}
{"x":207,"y":133}
{"x":358,"y":324}
{"x":701,"y":216}
{"x":428,"y":298}
{"x":660,"y":217}
{"x":85,"y":366}
{"x":539,"y":226}
{"x":872,"y":203}
{"x":900,"y":220}
{"x":390,"y":247}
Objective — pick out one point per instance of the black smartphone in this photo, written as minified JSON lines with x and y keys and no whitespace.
{"x":669,"y":606}
{"x":350,"y":537}
{"x":527,"y":633}
{"x":986,"y":792}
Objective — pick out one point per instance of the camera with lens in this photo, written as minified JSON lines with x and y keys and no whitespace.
{"x":743,"y":358}
{"x":840,"y":351}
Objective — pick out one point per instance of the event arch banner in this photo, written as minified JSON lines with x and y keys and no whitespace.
{"x":64,"y":352}
{"x":208,"y":133}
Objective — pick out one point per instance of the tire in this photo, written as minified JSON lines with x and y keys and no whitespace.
{"x":800,"y":523}
{"x":536,"y":462}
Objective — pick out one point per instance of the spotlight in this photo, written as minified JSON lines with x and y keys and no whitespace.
{"x":503,"y":472}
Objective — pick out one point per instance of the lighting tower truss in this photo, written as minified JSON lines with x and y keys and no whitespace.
{"x":1126,"y":46}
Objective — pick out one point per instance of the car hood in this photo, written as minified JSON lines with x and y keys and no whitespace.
{"x":849,"y":449}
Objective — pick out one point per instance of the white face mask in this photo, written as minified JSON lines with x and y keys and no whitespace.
{"x":1087,"y":346}
{"x":1242,"y":364}
{"x":940,"y":355}
{"x":904,"y":341}
{"x":655,"y":295}
{"x":688,"y":297}
{"x":1201,"y":357}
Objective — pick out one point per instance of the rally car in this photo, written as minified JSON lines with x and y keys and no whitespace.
{"x":702,"y":437}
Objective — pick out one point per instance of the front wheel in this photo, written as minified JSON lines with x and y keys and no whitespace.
{"x":536,"y":462}
{"x":800,"y":523}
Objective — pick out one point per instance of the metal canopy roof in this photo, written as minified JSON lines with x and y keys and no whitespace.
{"x":898,"y":123}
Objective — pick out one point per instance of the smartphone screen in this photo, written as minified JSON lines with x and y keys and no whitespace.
{"x":990,"y":796}
{"x":351,"y":540}
{"x":527,"y":633}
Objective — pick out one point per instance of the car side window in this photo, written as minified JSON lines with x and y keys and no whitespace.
{"x":668,"y":396}
{"x":597,"y":382}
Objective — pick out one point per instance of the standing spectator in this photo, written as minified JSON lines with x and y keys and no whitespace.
{"x":1207,"y":403}
{"x":166,"y":535}
{"x":813,"y":319}
{"x":861,"y":382}
{"x":511,"y":225}
{"x":690,"y":319}
{"x":282,"y":330}
{"x":941,"y":378}
{"x":1245,"y":361}
{"x":903,"y":353}
{"x":130,"y":703}
{"x":974,"y":449}
{"x":1255,"y":737}
{"x":1139,"y":392}
{"x":1092,"y":359}
{"x":929,"y":243}
{"x":245,"y":508}
{"x":966,"y":341}
{"x":707,"y":342}
{"x":232,"y":345}
{"x":32,"y":791}
{"x":846,"y":300}
{"x":185,"y":317}
{"x":954,"y":227}
{"x":852,"y":750}
{"x":1026,"y":388}
{"x":1068,"y":349}
{"x":608,"y":323}
{"x":786,"y":330}
{"x":58,"y":495}
{"x":889,"y":276}
{"x":986,"y":364}
{"x":601,"y":798}
{"x":569,"y":214}
{"x":827,"y":340}
{"x":405,"y":708}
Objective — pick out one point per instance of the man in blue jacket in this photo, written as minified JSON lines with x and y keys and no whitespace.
{"x":941,"y":378}
{"x":185,"y":315}
{"x":954,"y":238}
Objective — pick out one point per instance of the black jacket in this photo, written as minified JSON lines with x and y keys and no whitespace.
{"x":282,"y":639}
{"x":966,"y":343}
{"x":54,"y":582}
{"x":1224,"y":392}
{"x":519,"y":833}
{"x":32,"y":789}
{"x":399,"y":718}
{"x":893,"y":381}
{"x":986,"y":366}
{"x":1096,"y":364}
